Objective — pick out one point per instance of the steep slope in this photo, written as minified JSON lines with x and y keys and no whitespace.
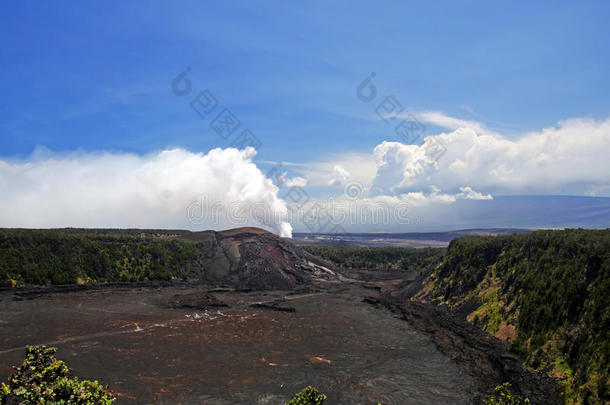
{"x":255,"y":258}
{"x":547,"y":293}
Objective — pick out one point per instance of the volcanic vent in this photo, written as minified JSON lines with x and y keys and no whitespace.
{"x":256,"y":259}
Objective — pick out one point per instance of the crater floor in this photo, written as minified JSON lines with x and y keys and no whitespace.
{"x":149,"y":352}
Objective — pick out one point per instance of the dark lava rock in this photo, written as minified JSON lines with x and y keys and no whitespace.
{"x":487,"y":358}
{"x":252,"y":258}
{"x":371,"y":300}
{"x":195,"y":301}
{"x":274,"y":305}
{"x":303,"y":290}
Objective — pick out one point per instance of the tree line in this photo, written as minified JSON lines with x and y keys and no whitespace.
{"x":42,"y":257}
{"x":379,"y":258}
{"x":552,"y":288}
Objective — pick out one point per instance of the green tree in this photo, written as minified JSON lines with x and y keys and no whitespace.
{"x":308,"y":396}
{"x":551,"y":292}
{"x":42,"y":379}
{"x":503,"y":396}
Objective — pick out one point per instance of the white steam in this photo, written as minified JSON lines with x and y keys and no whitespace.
{"x":171,"y":189}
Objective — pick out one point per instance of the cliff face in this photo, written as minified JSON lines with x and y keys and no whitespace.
{"x":256,"y":259}
{"x":546,"y":293}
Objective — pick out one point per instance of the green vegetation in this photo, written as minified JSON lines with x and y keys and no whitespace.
{"x":42,"y":379}
{"x":379,"y":258}
{"x":548,"y":293}
{"x":64,"y":256}
{"x":308,"y":396}
{"x":503,"y":396}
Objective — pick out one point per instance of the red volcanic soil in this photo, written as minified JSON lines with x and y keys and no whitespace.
{"x":252,"y":258}
{"x":243,"y":230}
{"x":147,"y":351}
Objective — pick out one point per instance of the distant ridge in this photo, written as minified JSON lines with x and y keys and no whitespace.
{"x":407,"y":239}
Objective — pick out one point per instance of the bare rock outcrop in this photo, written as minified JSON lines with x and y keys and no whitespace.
{"x":252,"y":258}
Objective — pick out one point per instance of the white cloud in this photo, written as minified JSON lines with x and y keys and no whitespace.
{"x":439,"y":119}
{"x":595,"y":190}
{"x":339,"y":176}
{"x":296,"y":181}
{"x":379,"y":213}
{"x":445,"y":121}
{"x":361,"y":168}
{"x":467,"y":193}
{"x":163,"y":189}
{"x":569,"y":158}
{"x":170,"y":189}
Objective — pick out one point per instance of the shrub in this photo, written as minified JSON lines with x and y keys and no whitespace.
{"x":503,"y":396}
{"x":308,"y":396}
{"x":42,"y":379}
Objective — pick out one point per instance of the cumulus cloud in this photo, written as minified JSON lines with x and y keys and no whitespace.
{"x":568,"y":158}
{"x":180,"y":189}
{"x":467,"y":193}
{"x":170,"y":189}
{"x":296,"y":181}
{"x":339,"y":176}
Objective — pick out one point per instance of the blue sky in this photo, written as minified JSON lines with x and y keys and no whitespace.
{"x":98,"y":76}
{"x":93,"y":77}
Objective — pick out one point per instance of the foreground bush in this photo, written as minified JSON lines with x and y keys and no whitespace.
{"x":42,"y":379}
{"x":308,"y":396}
{"x":503,"y":396}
